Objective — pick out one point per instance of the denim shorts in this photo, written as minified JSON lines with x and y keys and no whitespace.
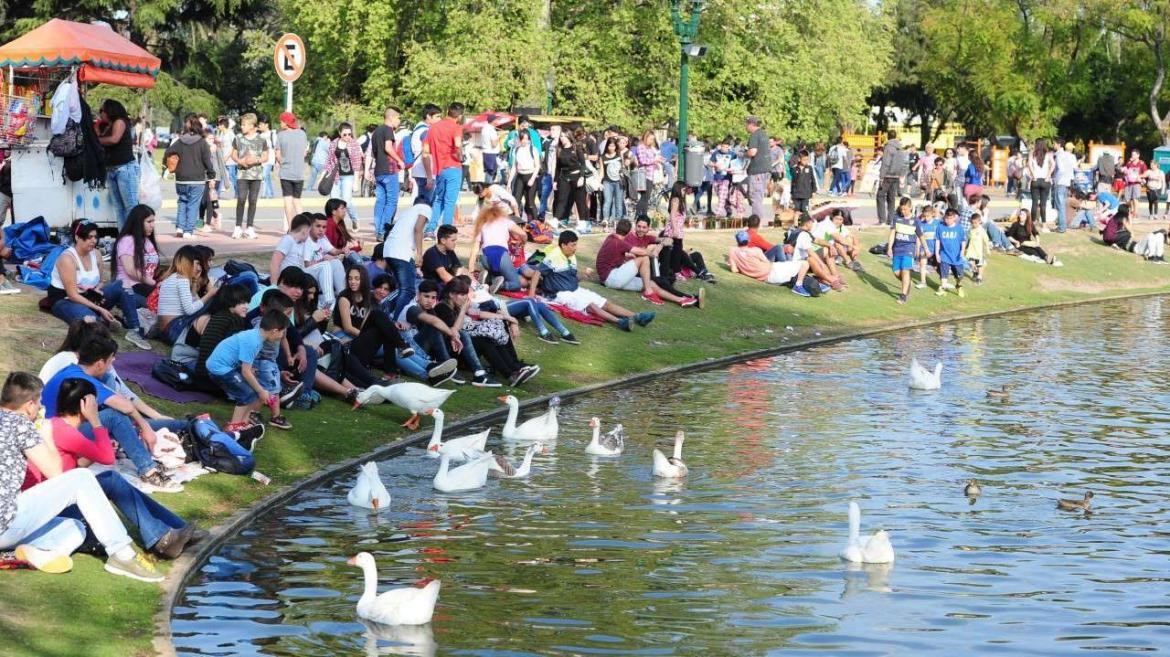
{"x":947,"y":269}
{"x":902,"y":263}
{"x":235,"y":387}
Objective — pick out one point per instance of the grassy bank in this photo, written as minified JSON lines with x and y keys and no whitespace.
{"x":57,"y":615}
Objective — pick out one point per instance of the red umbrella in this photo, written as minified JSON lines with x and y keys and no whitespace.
{"x":497,"y":119}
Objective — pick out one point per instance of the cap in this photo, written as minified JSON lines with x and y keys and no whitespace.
{"x":289,"y":119}
{"x":741,"y":237}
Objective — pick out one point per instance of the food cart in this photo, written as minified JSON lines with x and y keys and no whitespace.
{"x":33,"y":66}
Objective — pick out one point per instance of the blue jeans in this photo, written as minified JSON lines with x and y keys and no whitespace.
{"x":343,"y":189}
{"x":267,"y":178}
{"x":415,"y":365}
{"x":308,"y":378}
{"x":446,"y":197}
{"x":435,"y":344}
{"x":129,"y":300}
{"x":122,"y":181}
{"x":1060,"y":200}
{"x":539,"y":312}
{"x":386,"y":203}
{"x":177,"y":326}
{"x":998,"y":237}
{"x":189,"y":197}
{"x":151,"y":518}
{"x":317,"y":169}
{"x":498,"y":262}
{"x":67,"y":311}
{"x":422,"y":194}
{"x":404,"y":274}
{"x":613,"y":206}
{"x":777,"y":254}
{"x":545,"y":192}
{"x":232,"y":173}
{"x":125,"y":432}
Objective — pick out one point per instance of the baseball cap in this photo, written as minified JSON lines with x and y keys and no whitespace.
{"x":289,"y":119}
{"x":741,"y":237}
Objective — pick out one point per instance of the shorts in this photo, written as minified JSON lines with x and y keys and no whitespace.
{"x":1132,"y":193}
{"x":235,"y":387}
{"x":783,"y":272}
{"x":976,"y":262}
{"x":291,"y":187}
{"x":624,"y":278}
{"x":902,"y":263}
{"x":580,"y":299}
{"x":946,"y":269}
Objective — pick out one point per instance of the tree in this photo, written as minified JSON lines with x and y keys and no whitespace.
{"x":1146,"y":22}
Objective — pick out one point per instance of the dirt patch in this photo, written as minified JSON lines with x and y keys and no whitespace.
{"x":1049,"y":284}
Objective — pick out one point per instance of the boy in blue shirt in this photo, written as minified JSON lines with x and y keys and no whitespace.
{"x":948,"y":250}
{"x":230,"y":367}
{"x":928,"y":223}
{"x":904,"y":243}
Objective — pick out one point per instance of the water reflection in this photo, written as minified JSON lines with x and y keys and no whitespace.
{"x":595,"y":556}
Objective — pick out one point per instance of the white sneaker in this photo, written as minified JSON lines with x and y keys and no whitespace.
{"x":135,"y":338}
{"x":250,"y":233}
{"x":1057,"y":263}
{"x":178,"y":233}
{"x":237,"y":233}
{"x":7,"y":287}
{"x":188,"y":236}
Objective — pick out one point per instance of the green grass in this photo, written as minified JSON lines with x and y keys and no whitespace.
{"x":56,"y":615}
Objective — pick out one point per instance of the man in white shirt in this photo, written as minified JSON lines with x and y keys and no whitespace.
{"x":412,"y":152}
{"x":1062,"y":178}
{"x":836,"y":241}
{"x":489,"y":144}
{"x":403,"y":252}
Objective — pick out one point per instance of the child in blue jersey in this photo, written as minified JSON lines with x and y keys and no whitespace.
{"x":948,"y":250}
{"x":904,"y":244}
{"x":929,"y":224}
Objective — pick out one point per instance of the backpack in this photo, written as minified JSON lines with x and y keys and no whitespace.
{"x":899,"y":163}
{"x":172,"y":373}
{"x":69,"y":143}
{"x":216,"y":449}
{"x":237,"y":267}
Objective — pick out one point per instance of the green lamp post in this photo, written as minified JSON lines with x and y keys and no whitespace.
{"x":685,"y":30}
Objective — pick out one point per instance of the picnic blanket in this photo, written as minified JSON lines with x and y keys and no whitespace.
{"x":135,"y":366}
{"x":559,"y":308}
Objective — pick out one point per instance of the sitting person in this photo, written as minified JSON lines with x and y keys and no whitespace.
{"x":1152,"y":247}
{"x":287,"y":367}
{"x":804,"y":249}
{"x":979,"y":203}
{"x":1026,"y":238}
{"x":338,"y":233}
{"x":621,"y":267}
{"x":492,"y":233}
{"x":491,"y":333}
{"x":324,"y":262}
{"x":178,"y":304}
{"x":653,"y":246}
{"x":438,"y":329}
{"x":439,"y":263}
{"x":29,"y":519}
{"x":230,"y":367}
{"x":363,"y":325}
{"x":750,"y":261}
{"x":1117,"y":232}
{"x":773,"y":252}
{"x":413,"y":360}
{"x":495,"y":196}
{"x":403,"y":251}
{"x":162,"y":532}
{"x":559,"y":279}
{"x":134,"y":266}
{"x":310,"y":320}
{"x":209,"y":330}
{"x":835,"y":240}
{"x":295,"y":246}
{"x":75,"y":290}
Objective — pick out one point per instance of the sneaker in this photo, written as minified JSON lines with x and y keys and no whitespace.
{"x":159,"y":482}
{"x":526,"y":373}
{"x":702,"y":298}
{"x":920,"y":286}
{"x":205,"y":229}
{"x":172,"y":543}
{"x":570,"y":338}
{"x":250,"y":233}
{"x":497,"y":283}
{"x":178,"y":233}
{"x":457,"y":378}
{"x":643,"y":318}
{"x":280,"y":422}
{"x":138,"y":568}
{"x":406,"y":352}
{"x":653,"y":298}
{"x":799,"y":289}
{"x":135,"y":338}
{"x":7,"y":287}
{"x":961,"y":293}
{"x":825,"y":287}
{"x":941,"y":291}
{"x":249,"y":435}
{"x":624,"y":324}
{"x":482,"y":381}
{"x":1057,"y":263}
{"x":442,"y":370}
{"x":289,"y":391}
{"x":902,"y":298}
{"x":547,"y":337}
{"x":237,"y":233}
{"x":45,"y":561}
{"x":188,"y":236}
{"x":856,"y":267}
{"x":688,"y":302}
{"x":514,"y":380}
{"x":254,"y":417}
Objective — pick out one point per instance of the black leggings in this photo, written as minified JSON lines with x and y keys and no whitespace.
{"x":525,"y":195}
{"x":1034,"y":250}
{"x":247,"y":191}
{"x":568,"y":194}
{"x":644,"y":201}
{"x":502,"y":358}
{"x":1152,"y":199}
{"x":1121,"y":238}
{"x":1040,"y":190}
{"x":378,"y":331}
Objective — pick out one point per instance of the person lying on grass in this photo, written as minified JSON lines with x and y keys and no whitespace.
{"x":560,"y":280}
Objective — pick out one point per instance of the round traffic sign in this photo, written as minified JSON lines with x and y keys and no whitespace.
{"x":289,"y":57}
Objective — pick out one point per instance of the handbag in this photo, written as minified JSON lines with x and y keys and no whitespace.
{"x":69,"y":143}
{"x":638,"y":179}
{"x":592,"y":178}
{"x":492,"y":329}
{"x":325,"y":184}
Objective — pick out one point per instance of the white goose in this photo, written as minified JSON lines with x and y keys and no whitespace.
{"x":542,"y":427}
{"x":672,"y":467}
{"x":469,"y":476}
{"x":502,"y":468}
{"x":369,"y":491}
{"x":414,"y":397}
{"x":410,"y":605}
{"x":611,"y":445}
{"x":922,"y":378}
{"x":459,"y":449}
{"x":875,"y":548}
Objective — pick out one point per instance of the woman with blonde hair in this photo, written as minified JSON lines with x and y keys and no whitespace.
{"x":493,"y":229}
{"x":179,"y":303}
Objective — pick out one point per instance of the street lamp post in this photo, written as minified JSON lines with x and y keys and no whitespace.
{"x":685,"y":30}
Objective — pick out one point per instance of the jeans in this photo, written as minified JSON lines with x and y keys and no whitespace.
{"x":122,"y":181}
{"x":539,"y":312}
{"x":421,"y":193}
{"x":233,"y":173}
{"x":498,"y":262}
{"x":140,"y":510}
{"x":129,"y":300}
{"x":435,"y":344}
{"x":317,"y":168}
{"x":415,"y":365}
{"x":614,"y":206}
{"x":189,"y":197}
{"x":777,"y":254}
{"x":840,"y":181}
{"x":887,"y":199}
{"x":446,"y":197}
{"x":266,"y":177}
{"x":123,"y":430}
{"x":998,"y":237}
{"x":545,"y":192}
{"x":246,"y":194}
{"x":178,"y":326}
{"x":404,"y":273}
{"x":38,"y":506}
{"x":1060,"y":199}
{"x":386,"y":204}
{"x":67,"y":310}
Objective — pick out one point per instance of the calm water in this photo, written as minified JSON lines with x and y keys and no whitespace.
{"x":594,"y":557}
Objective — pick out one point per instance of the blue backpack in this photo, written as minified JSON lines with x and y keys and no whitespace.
{"x":216,"y":449}
{"x":40,"y":277}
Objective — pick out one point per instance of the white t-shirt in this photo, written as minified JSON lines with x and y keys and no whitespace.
{"x":825,"y":229}
{"x":294,"y":254}
{"x":1066,"y":165}
{"x":803,"y":244}
{"x":489,"y":139}
{"x":312,"y":251}
{"x":400,"y":242}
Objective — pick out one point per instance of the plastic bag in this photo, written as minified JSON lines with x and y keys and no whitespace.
{"x":149,"y":184}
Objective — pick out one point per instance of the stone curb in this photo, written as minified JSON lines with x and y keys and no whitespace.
{"x":187,"y":566}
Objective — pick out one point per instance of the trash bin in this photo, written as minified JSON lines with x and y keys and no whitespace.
{"x":694,"y":164}
{"x":1161,"y":160}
